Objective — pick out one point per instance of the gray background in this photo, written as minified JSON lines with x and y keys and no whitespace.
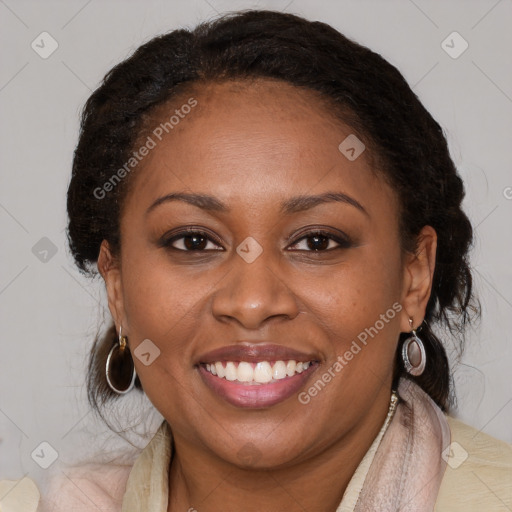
{"x":49,"y":313}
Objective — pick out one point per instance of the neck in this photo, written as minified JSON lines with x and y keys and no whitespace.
{"x":200,"y":481}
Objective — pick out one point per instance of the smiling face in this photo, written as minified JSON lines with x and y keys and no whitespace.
{"x":265,"y":276}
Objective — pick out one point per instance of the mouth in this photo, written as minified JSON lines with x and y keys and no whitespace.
{"x":263,"y":372}
{"x":256,"y":376}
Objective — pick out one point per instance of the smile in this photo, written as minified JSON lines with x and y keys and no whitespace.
{"x":261,"y":372}
{"x":257,"y":385}
{"x":255,"y":375}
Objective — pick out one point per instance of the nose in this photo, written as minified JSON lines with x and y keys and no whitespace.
{"x":252,"y":293}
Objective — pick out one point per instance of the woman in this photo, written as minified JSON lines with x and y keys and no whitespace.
{"x":278,"y":224}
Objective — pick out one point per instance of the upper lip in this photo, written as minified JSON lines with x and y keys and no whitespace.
{"x":252,"y":353}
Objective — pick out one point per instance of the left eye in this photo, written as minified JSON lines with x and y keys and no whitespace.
{"x":321,"y":242}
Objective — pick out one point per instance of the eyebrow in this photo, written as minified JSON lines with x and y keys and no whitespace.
{"x":293,"y":205}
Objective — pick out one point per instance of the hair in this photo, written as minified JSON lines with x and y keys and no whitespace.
{"x":368,"y":93}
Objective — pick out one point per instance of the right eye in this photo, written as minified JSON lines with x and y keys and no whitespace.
{"x":191,"y":240}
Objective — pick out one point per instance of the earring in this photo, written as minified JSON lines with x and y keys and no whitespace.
{"x":119,"y":368}
{"x":413,"y":354}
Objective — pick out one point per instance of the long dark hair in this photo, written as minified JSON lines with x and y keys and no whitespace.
{"x":364,"y":90}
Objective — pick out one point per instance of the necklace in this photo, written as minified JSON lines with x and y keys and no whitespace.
{"x":392,"y":406}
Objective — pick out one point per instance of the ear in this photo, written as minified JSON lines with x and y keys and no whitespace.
{"x":417,"y":280}
{"x":109,"y":268}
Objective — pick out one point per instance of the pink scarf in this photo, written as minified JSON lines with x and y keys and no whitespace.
{"x":408,"y":466}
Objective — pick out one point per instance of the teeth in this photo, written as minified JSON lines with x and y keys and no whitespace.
{"x":260,"y":373}
{"x":290,"y":368}
{"x":231,"y":372}
{"x":279,"y":370}
{"x":245,"y":372}
{"x":221,"y":372}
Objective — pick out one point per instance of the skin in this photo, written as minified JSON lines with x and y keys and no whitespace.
{"x":251,"y":146}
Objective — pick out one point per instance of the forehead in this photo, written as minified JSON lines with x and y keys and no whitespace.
{"x":250,"y":142}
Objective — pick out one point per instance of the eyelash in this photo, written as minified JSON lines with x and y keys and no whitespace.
{"x":343,"y":242}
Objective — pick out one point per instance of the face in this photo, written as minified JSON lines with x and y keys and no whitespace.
{"x":289,"y":275}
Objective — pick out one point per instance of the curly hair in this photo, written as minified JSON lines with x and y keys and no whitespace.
{"x":367,"y":93}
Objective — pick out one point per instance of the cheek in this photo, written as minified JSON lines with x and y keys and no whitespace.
{"x":360,"y":303}
{"x":160,"y":298}
{"x":162,"y":305}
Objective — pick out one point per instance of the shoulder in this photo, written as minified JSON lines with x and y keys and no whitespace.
{"x":104,"y":486}
{"x":19,"y":495}
{"x":84,"y":488}
{"x":478,"y":473}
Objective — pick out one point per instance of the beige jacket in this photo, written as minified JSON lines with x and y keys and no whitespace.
{"x":478,"y":478}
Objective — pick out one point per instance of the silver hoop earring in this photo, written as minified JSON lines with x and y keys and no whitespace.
{"x":119,"y":368}
{"x":413,"y":354}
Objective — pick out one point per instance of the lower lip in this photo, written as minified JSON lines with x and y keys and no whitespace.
{"x":256,"y":396}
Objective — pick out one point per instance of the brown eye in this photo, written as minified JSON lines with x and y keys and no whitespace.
{"x":191,"y":241}
{"x":322,"y":241}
